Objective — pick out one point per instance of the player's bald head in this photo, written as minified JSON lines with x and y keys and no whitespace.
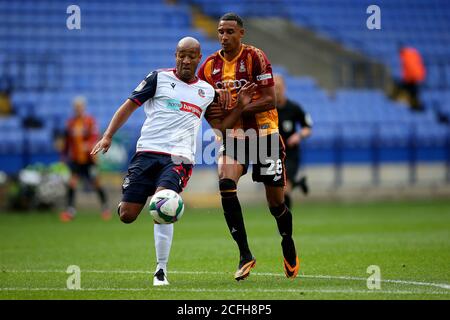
{"x":188,"y":43}
{"x":187,"y":58}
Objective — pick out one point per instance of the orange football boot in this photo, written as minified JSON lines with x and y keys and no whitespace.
{"x":291,"y":271}
{"x":66,"y":216}
{"x":244,"y":269}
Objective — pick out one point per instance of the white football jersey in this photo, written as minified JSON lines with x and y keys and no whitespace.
{"x":174,"y":110}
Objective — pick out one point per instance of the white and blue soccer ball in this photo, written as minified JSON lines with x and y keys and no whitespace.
{"x":166,"y":206}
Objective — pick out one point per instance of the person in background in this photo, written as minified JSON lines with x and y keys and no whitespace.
{"x":413,"y":74}
{"x":80,"y":136}
{"x":6,"y":86}
{"x":290,"y":115}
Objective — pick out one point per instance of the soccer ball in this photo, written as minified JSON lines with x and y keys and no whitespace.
{"x":166,"y":206}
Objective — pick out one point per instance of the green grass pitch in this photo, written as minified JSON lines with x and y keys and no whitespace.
{"x":408,"y":241}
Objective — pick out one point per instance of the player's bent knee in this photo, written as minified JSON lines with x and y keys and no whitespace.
{"x":274,"y":203}
{"x":127,"y":215}
{"x":278,"y":211}
{"x":275,"y":197}
{"x":227,"y":187}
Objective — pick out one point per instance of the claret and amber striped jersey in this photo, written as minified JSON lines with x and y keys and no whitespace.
{"x":80,"y":137}
{"x":250,"y":65}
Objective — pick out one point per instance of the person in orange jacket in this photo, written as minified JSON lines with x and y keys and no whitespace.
{"x":413,"y":75}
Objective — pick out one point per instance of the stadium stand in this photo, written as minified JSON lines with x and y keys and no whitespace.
{"x":121,"y":41}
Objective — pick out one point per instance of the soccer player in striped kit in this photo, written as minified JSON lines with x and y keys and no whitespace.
{"x":228,"y":71}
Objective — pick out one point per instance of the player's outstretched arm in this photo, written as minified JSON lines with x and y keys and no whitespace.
{"x":222,"y":120}
{"x":120,"y":117}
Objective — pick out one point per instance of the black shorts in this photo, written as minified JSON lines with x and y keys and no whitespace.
{"x":86,"y":170}
{"x":148,"y":171}
{"x":266,"y":154}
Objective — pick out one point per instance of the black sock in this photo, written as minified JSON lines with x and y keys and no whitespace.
{"x":283,"y":217}
{"x":102,"y":196}
{"x":287,"y":243}
{"x":287,"y":200}
{"x":70,"y":197}
{"x":233,"y":216}
{"x":303,"y":185}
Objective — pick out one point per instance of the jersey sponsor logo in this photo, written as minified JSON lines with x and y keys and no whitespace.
{"x":201,"y":93}
{"x":192,"y":108}
{"x":173,"y":85}
{"x":215,"y":71}
{"x":231,"y":84}
{"x":264,"y":76}
{"x":141,"y":86}
{"x":276,"y":178}
{"x":242,"y":67}
{"x":174,"y":104}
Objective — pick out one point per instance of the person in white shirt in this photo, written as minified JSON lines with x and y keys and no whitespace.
{"x":175,"y":101}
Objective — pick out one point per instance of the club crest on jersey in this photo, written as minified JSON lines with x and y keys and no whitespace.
{"x":242,"y":67}
{"x":126,"y":183}
{"x":201,"y":93}
{"x":287,"y":125}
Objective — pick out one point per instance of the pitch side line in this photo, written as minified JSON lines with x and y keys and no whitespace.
{"x":406,"y":282}
{"x":152,"y":289}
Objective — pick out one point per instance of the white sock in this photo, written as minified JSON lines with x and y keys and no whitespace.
{"x":163,"y":234}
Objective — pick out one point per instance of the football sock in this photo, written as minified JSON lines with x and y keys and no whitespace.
{"x":283,"y":216}
{"x":70,"y":197}
{"x":287,"y":200}
{"x":233,"y":216}
{"x":102,"y":196}
{"x":303,"y":184}
{"x":163,"y":234}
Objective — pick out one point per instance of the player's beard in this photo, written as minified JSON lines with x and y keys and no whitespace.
{"x":185,"y":74}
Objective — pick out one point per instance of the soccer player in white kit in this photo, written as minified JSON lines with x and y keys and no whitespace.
{"x":174,"y":101}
